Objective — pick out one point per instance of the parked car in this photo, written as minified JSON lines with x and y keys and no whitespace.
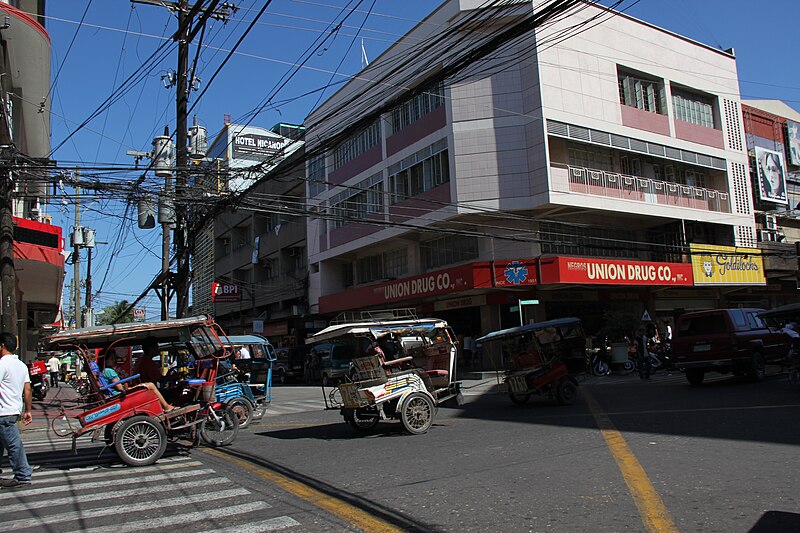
{"x":727,"y":340}
{"x":289,"y":363}
{"x":335,"y":358}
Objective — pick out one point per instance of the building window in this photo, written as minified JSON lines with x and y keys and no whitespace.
{"x":420,"y":177}
{"x":391,"y":264}
{"x":417,"y":107}
{"x":641,"y":93}
{"x":395,"y":263}
{"x":316,"y":175}
{"x":357,"y":144}
{"x":347,"y":275}
{"x":693,"y":108}
{"x":592,"y":157}
{"x":369,"y":269}
{"x":362,"y":199}
{"x":566,"y":239}
{"x":448,"y":250}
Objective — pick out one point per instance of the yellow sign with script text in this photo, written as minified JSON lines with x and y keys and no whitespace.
{"x":727,"y":265}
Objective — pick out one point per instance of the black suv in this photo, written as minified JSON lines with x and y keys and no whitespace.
{"x":727,"y":340}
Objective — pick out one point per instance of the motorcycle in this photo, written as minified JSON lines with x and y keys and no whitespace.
{"x":599,"y":360}
{"x":39,"y":387}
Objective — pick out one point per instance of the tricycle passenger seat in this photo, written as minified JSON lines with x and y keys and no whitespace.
{"x":99,"y":381}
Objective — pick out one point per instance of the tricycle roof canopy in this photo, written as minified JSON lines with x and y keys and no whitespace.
{"x":784,"y":311}
{"x":511,"y":332}
{"x":179,"y":329}
{"x":375,"y":328}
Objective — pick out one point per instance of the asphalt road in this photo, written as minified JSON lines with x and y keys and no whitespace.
{"x":628,"y":456}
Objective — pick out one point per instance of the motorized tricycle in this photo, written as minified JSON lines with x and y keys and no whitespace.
{"x":400,"y":369}
{"x":247,"y":388}
{"x":542,"y":358}
{"x":133,"y":421}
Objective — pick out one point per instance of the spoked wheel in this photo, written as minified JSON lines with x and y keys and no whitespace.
{"x":243,"y":410}
{"x":140,"y":440}
{"x":417,"y":413}
{"x":566,"y":392}
{"x":519,"y":398}
{"x":628,"y":367}
{"x":362,"y":419}
{"x":220,"y":427}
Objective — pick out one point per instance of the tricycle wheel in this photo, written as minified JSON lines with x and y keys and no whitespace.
{"x":362,"y":419}
{"x":220,"y":427}
{"x":243,"y":410}
{"x":566,"y":392}
{"x":417,"y":413}
{"x":519,"y":398}
{"x":140,"y":440}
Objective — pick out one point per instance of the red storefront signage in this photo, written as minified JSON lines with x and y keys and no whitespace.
{"x":457,"y":279}
{"x":225,"y":292}
{"x":515,"y":273}
{"x":590,"y":271}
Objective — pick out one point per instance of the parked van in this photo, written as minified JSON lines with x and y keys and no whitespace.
{"x":727,"y":340}
{"x":335,"y":357}
{"x":290,"y":363}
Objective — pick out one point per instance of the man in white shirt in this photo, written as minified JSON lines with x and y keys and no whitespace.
{"x":15,"y":404}
{"x":244,"y":353}
{"x":54,"y":366}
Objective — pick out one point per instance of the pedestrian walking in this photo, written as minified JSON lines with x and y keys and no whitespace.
{"x":15,"y":404}
{"x":643,"y":354}
{"x":54,"y":365}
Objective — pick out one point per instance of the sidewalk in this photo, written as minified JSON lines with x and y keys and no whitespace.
{"x":64,"y":397}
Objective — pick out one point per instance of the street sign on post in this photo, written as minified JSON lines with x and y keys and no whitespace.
{"x":139,"y":314}
{"x":523,"y":303}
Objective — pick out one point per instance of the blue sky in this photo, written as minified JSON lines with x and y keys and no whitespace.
{"x":90,"y":59}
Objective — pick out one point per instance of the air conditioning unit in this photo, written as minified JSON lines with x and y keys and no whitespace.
{"x":765,"y":235}
{"x":770,"y":222}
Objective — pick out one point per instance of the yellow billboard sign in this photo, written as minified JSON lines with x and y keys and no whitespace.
{"x":727,"y":265}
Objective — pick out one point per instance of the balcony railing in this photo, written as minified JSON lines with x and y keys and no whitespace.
{"x":647,"y":190}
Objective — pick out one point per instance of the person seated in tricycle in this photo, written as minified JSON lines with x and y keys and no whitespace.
{"x":111,"y":376}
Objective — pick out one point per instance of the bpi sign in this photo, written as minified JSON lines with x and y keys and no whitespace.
{"x":225,"y":292}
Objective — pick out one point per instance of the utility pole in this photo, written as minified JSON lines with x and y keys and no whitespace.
{"x":186,"y":32}
{"x":8,"y":277}
{"x":182,"y":281}
{"x":77,"y":239}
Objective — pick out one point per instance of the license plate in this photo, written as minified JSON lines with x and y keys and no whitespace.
{"x":702,"y":347}
{"x":518,"y":384}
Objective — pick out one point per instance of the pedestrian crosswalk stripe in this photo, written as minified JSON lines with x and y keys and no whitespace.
{"x":163,"y":464}
{"x":118,"y":482}
{"x":108,"y":472}
{"x":88,"y":514}
{"x":86,"y":498}
{"x":183,"y":518}
{"x":273,"y":524}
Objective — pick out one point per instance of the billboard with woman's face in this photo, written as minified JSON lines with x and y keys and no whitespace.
{"x":771,"y":176}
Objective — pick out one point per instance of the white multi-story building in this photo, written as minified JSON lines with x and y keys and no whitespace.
{"x":481,"y":161}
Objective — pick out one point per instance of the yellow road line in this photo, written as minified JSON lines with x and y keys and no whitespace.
{"x":350,"y":513}
{"x":654,"y":513}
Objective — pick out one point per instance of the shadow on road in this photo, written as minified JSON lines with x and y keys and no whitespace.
{"x":724,"y":407}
